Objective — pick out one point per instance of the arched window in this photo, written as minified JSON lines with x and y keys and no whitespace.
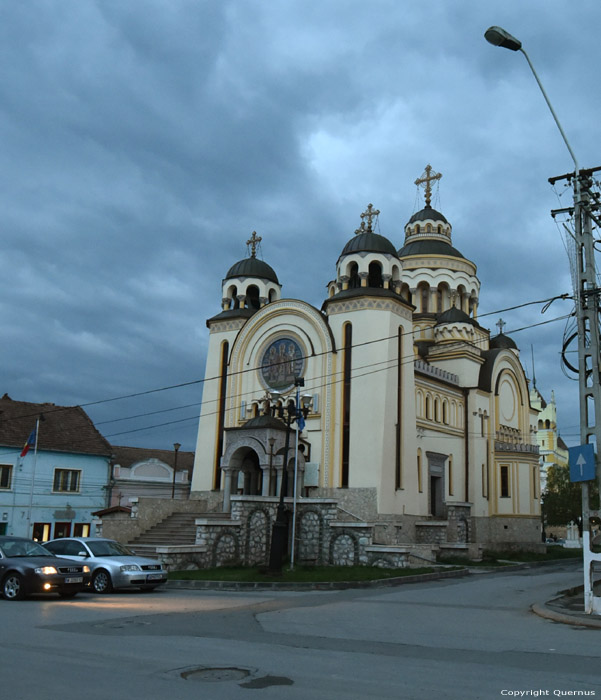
{"x":354,"y":280}
{"x":428,"y":407}
{"x":252,"y":297}
{"x":419,"y":404}
{"x":445,"y":412}
{"x":375,"y":275}
{"x":235,"y":300}
{"x":437,"y":410}
{"x":419,"y":471}
{"x":424,"y":293}
{"x":272,"y":295}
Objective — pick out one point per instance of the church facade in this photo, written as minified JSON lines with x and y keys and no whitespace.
{"x":419,"y":431}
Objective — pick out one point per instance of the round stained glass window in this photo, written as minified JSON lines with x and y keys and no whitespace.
{"x":281,"y":363}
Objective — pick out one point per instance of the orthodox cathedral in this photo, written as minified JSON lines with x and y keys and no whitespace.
{"x":389,"y":421}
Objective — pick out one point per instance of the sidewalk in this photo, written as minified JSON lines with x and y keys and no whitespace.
{"x":568,"y":608}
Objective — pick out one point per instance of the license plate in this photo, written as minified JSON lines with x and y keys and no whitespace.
{"x":74,"y":579}
{"x":153,"y":577}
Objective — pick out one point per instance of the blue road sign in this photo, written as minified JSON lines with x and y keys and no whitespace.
{"x":582,"y":463}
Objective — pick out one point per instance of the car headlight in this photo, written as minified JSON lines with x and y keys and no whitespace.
{"x":86,"y":569}
{"x":47,"y":570}
{"x":130,"y":567}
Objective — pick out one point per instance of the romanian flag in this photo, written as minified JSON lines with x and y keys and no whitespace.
{"x":30,"y":442}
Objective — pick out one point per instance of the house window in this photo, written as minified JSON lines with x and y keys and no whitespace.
{"x":81,"y":529}
{"x":41,"y":532}
{"x":504,"y":481}
{"x":6,"y":471}
{"x":62,"y":529}
{"x":66,"y":480}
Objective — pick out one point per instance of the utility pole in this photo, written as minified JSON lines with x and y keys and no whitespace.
{"x":586,"y":206}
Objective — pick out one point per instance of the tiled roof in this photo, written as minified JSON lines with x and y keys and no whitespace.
{"x":62,"y":428}
{"x":126,"y":456}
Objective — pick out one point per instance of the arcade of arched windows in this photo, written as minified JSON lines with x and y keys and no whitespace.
{"x":249,"y":296}
{"x":372,"y":275}
{"x":437,"y":408}
{"x":441,"y":298}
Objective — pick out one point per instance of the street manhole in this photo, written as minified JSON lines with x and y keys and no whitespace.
{"x":214,"y":675}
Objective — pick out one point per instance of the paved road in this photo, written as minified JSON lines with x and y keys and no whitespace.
{"x":459,"y":638}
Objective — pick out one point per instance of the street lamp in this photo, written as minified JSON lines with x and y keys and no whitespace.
{"x":176,"y":447}
{"x":294,"y":412}
{"x":587,"y":314}
{"x":499,"y":37}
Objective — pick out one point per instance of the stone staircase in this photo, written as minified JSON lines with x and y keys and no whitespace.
{"x":177,"y":530}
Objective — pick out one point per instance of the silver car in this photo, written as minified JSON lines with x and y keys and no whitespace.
{"x":113,"y":565}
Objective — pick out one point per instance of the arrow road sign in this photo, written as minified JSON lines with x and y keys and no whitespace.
{"x":582,"y":463}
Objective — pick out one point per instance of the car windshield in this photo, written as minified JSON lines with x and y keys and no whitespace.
{"x":23,"y":548}
{"x":108,"y":548}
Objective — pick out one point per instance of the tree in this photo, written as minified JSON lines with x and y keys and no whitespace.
{"x":562,"y":501}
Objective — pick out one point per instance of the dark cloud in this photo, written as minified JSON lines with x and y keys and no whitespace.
{"x":144,"y":142}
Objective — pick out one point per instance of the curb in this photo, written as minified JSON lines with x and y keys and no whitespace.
{"x":323,"y":586}
{"x":583,"y":620}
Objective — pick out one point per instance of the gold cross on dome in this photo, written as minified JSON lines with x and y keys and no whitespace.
{"x":427,"y":177}
{"x":368,"y":214}
{"x":253,"y":241}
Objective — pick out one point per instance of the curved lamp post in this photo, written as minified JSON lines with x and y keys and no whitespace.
{"x":499,"y":37}
{"x":587,"y":313}
{"x":294,"y":412}
{"x":176,"y":446}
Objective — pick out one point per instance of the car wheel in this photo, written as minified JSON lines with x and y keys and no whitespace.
{"x":12,"y":587}
{"x":101,"y":581}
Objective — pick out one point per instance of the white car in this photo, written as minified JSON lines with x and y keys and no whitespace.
{"x":111,"y":563}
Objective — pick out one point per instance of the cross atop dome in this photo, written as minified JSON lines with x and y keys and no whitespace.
{"x":253,"y":242}
{"x":369,"y":214}
{"x":428,"y":176}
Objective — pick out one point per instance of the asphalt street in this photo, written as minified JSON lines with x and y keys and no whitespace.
{"x":467,"y":638}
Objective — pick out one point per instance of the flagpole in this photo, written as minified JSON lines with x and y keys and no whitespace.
{"x":35,"y":461}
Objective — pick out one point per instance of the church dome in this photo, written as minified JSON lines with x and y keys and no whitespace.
{"x":369,"y":242}
{"x":252,"y":267}
{"x":250,"y":283}
{"x":502,"y":342}
{"x":429,"y":247}
{"x":428,"y":233}
{"x":427,"y":213}
{"x":455,"y":315}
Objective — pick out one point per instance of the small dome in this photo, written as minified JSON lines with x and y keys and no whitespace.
{"x":502,"y":342}
{"x":265,"y":421}
{"x":427,"y":214}
{"x":369,"y":242}
{"x":454,"y":315}
{"x":252,"y":267}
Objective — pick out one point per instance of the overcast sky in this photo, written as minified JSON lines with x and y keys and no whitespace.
{"x":142,"y":141}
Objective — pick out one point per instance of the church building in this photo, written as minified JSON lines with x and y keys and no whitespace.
{"x":417,"y":433}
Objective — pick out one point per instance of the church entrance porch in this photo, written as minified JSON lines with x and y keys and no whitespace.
{"x":255,"y":457}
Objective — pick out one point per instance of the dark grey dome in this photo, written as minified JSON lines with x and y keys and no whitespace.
{"x":265,"y":422}
{"x":252,"y":267}
{"x":455,"y":315}
{"x":502,"y":342}
{"x":427,"y":213}
{"x":369,"y":242}
{"x":429,"y":246}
